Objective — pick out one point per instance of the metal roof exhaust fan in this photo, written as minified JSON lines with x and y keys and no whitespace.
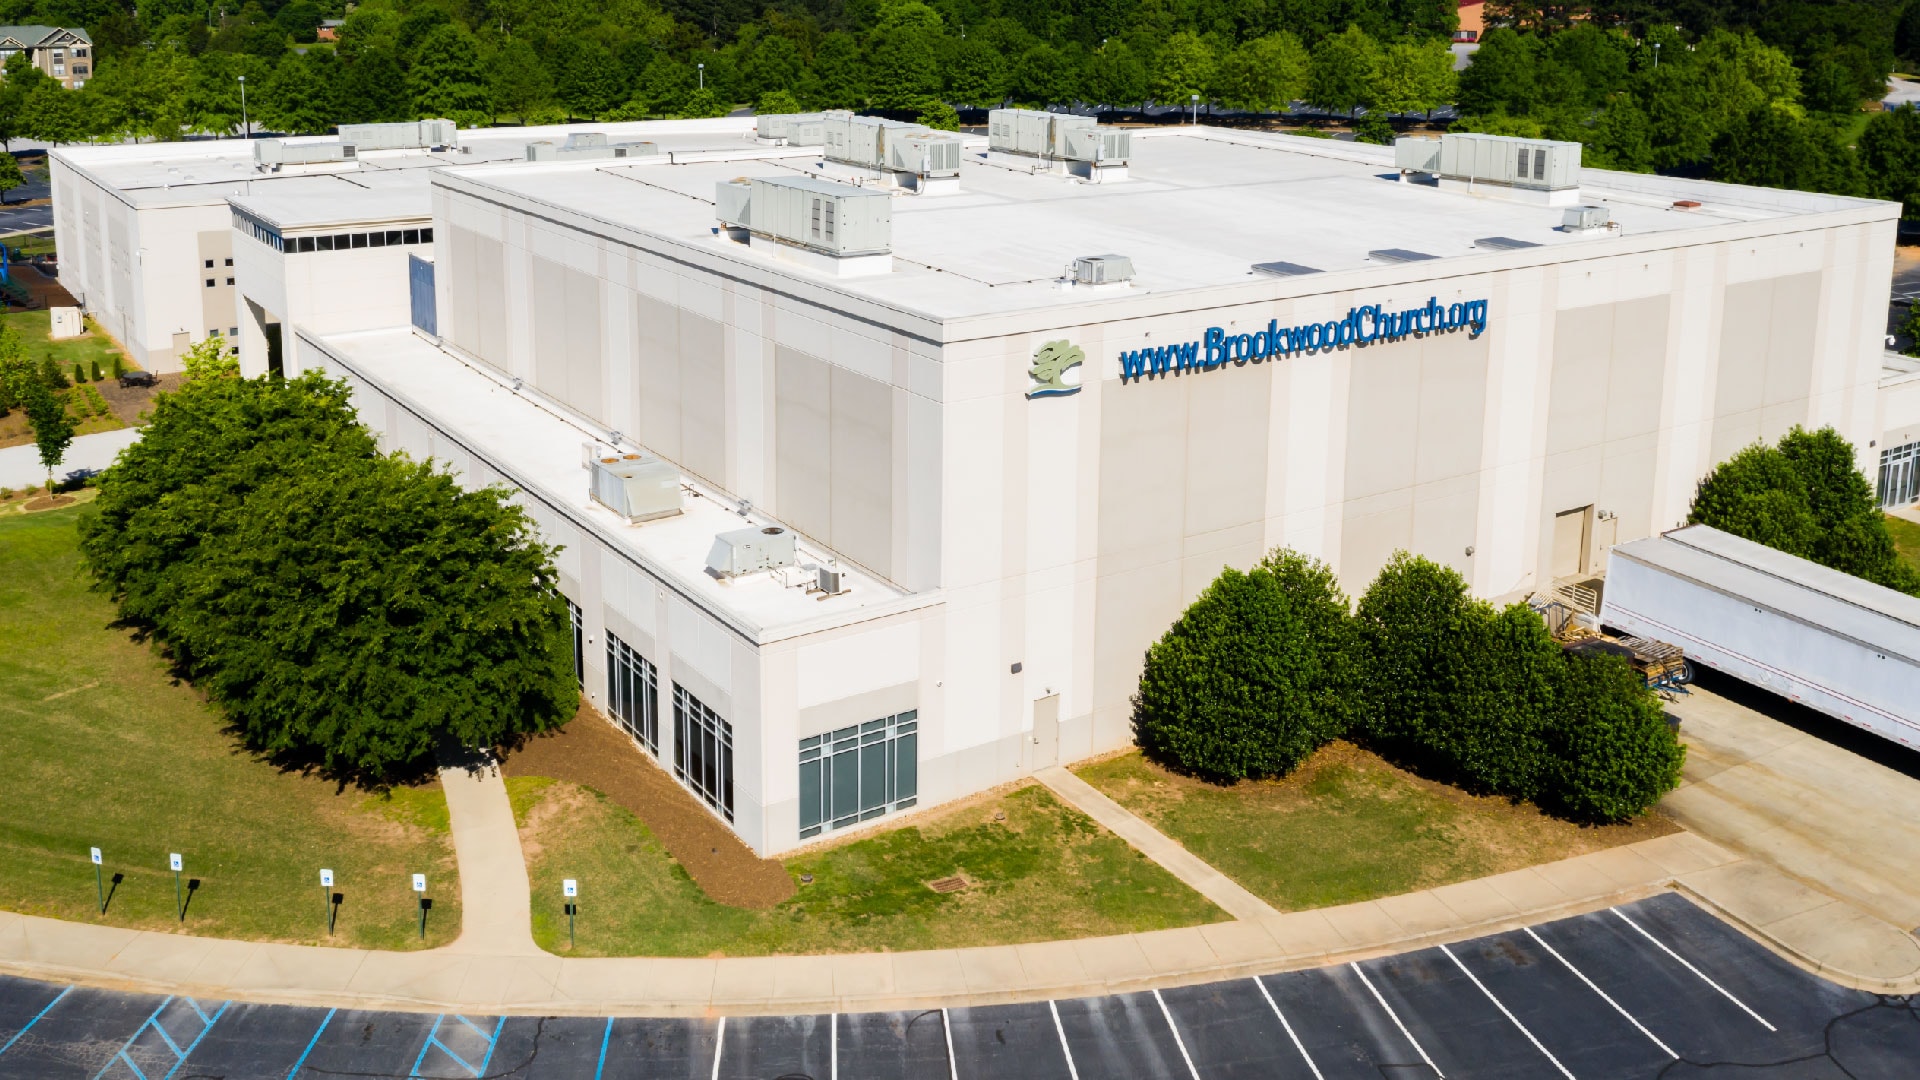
{"x":638,"y":487}
{"x":749,"y":551}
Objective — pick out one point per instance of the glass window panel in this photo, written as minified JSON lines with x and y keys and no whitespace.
{"x":323,"y":243}
{"x":359,"y":239}
{"x":906,"y":767}
{"x":726,"y":779}
{"x":377,"y":239}
{"x":873,"y":777}
{"x":410,"y":236}
{"x":342,"y":241}
{"x":393,"y":238}
{"x":306,"y":243}
{"x":426,"y":236}
{"x":845,"y":781}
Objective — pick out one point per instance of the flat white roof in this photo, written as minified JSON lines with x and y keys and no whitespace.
{"x":288,"y":209}
{"x":1873,"y":615}
{"x":205,"y":171}
{"x":538,"y":445}
{"x":1201,"y":208}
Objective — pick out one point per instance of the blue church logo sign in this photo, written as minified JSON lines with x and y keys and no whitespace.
{"x":1362,"y":326}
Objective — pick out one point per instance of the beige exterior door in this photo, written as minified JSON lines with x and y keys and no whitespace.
{"x":1570,"y":542}
{"x":1046,"y":731}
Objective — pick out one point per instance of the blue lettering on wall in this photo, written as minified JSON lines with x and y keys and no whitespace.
{"x":1362,"y":326}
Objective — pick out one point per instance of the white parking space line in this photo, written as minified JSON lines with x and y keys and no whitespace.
{"x":1578,"y":974}
{"x":719,"y":1044}
{"x":953,"y":1063}
{"x":833,"y":1046}
{"x":1275,"y":1006}
{"x":1177,"y":1040}
{"x":1395,"y":1017}
{"x":1504,"y":1012}
{"x":1697,"y":972}
{"x":1061,"y":1030}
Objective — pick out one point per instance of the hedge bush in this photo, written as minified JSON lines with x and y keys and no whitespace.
{"x":346,"y":608}
{"x":1267,"y":666}
{"x":1256,"y":675}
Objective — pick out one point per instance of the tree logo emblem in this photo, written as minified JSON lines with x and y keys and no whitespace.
{"x":1051,"y":362}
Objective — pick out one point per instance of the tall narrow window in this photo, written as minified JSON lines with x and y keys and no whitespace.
{"x":579,"y":624}
{"x":859,"y":772}
{"x":633,"y":693}
{"x":703,"y":751}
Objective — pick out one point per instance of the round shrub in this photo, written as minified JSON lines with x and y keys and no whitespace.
{"x":1614,"y":755}
{"x":1257,"y":674}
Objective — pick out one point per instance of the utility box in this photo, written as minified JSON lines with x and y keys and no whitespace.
{"x":750,"y":551}
{"x":820,"y":215}
{"x":1537,"y":164}
{"x":790,"y":129}
{"x":1101,"y":269}
{"x":637,"y":487}
{"x":420,"y":295}
{"x":924,"y":153}
{"x":277,"y":152}
{"x":66,"y":323}
{"x":411,"y":135}
{"x":1416,"y":153}
{"x":732,"y":201}
{"x":1098,"y":145}
{"x":1583,"y":218}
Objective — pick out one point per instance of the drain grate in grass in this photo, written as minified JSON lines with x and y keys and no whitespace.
{"x":947,"y":884}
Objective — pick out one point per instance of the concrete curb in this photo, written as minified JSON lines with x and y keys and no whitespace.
{"x":1799,"y":957}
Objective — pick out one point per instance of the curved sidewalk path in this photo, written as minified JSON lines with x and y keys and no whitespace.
{"x":1822,"y":933}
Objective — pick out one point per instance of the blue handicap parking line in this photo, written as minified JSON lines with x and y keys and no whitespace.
{"x":36,"y":1019}
{"x":311,"y":1043}
{"x":605,"y":1038}
{"x":180,"y":1054}
{"x":434,"y":1042}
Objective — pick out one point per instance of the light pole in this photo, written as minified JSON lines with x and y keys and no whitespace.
{"x":246,"y":129}
{"x":703,"y":75}
{"x":1196,"y":110}
{"x":1656,"y":56}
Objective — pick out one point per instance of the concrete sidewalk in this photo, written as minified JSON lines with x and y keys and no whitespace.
{"x":20,"y":465}
{"x":1846,"y":945}
{"x":1231,"y":897}
{"x":496,"y":907}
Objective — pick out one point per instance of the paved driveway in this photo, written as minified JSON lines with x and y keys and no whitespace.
{"x":1822,"y":800}
{"x":1655,"y":988}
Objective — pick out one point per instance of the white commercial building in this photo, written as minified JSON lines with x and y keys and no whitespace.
{"x":940,"y":480}
{"x":874,"y":477}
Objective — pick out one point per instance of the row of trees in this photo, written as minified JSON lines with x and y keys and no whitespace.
{"x":348,"y":609}
{"x":1805,"y":496}
{"x":35,"y":389}
{"x":1269,"y":665}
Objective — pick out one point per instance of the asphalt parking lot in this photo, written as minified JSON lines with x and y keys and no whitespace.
{"x":1652,"y":989}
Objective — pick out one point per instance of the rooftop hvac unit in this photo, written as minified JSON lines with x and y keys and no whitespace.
{"x":585,"y":140}
{"x":1582,"y":218}
{"x":1416,"y":153}
{"x":836,"y":219}
{"x":749,"y":551}
{"x":1099,"y":145}
{"x":1536,"y":164}
{"x":411,"y":135}
{"x":731,"y":199}
{"x":281,"y":152}
{"x":1101,"y":269}
{"x":638,"y":487}
{"x":589,"y":145}
{"x":1063,"y":125}
{"x":924,"y":153}
{"x":794,"y":129}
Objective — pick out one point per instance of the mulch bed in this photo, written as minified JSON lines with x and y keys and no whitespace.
{"x":592,"y":752}
{"x":50,"y":502}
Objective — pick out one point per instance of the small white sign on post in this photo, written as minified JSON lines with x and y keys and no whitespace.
{"x":96,"y":856}
{"x":173,"y":863}
{"x":569,"y":888}
{"x":326,"y":879}
{"x":420,"y":883}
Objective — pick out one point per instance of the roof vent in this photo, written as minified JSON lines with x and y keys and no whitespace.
{"x":749,"y":551}
{"x":1284,"y":269}
{"x":1585,"y":218}
{"x":638,"y":487}
{"x":1399,"y":255}
{"x":1503,"y":243}
{"x":1101,"y":270}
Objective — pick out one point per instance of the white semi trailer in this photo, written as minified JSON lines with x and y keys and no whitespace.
{"x":1825,"y":639}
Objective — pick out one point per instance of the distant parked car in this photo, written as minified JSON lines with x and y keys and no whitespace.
{"x":139,"y":378}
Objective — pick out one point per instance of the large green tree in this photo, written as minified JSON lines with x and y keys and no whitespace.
{"x":444,"y":78}
{"x":1344,"y":72}
{"x":1267,"y":74}
{"x":1890,"y":156}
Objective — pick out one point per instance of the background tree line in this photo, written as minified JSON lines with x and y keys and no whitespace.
{"x":1754,"y":91}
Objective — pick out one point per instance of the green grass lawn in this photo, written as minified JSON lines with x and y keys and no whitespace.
{"x":1043,"y":872}
{"x":1906,"y":539}
{"x":99,"y":747}
{"x":87,"y":349}
{"x":1346,"y":826}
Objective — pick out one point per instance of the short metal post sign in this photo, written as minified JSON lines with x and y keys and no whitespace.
{"x":173,"y":863}
{"x":326,"y":897}
{"x":99,"y":886}
{"x":420,"y":887}
{"x":570,"y":888}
